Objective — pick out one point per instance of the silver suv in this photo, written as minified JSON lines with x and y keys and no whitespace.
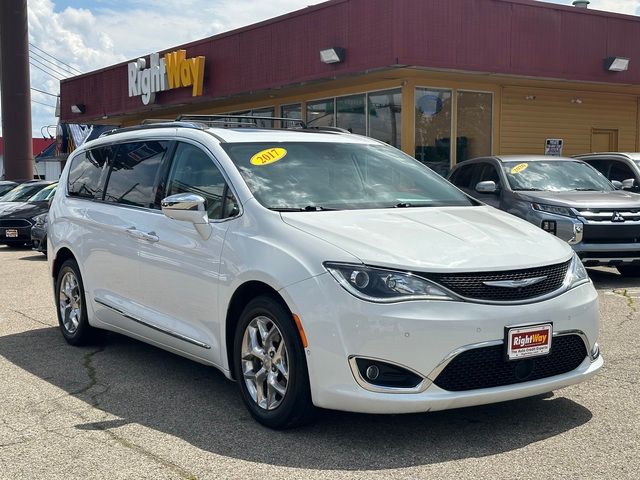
{"x":565,"y":197}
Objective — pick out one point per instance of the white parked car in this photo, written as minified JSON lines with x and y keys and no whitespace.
{"x":316,"y":269}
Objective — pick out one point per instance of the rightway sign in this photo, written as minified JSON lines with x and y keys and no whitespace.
{"x":553,"y":147}
{"x":174,"y":70}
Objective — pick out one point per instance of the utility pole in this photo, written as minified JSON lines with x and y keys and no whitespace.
{"x":16,"y":93}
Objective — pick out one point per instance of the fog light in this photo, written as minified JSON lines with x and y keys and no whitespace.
{"x":549,"y":226}
{"x":372,"y":372}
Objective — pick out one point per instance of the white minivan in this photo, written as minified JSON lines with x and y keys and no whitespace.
{"x":315,"y":268}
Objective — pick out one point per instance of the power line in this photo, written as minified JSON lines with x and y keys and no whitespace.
{"x":65,"y":70}
{"x":45,"y":104}
{"x":58,"y":72}
{"x":42,"y":69}
{"x":57,"y":59}
{"x":46,"y":93}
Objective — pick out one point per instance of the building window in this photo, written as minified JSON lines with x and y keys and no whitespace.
{"x":263,"y":112}
{"x":293,"y":111}
{"x":321,"y":113}
{"x":385,"y":116}
{"x":473,"y":125}
{"x":433,"y":128}
{"x":350,"y":114}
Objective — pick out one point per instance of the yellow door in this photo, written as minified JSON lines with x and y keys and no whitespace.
{"x":604,"y":140}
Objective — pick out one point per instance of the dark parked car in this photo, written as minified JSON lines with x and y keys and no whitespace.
{"x":621,"y":167}
{"x":23,"y":191}
{"x":565,"y":197}
{"x":39,"y":233}
{"x":17,"y":218}
{"x":6,"y":185}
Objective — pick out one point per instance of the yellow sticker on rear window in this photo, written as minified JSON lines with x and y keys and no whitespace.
{"x":521,"y":167}
{"x":267,"y":156}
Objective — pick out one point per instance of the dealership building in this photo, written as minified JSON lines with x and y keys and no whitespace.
{"x":444,"y":80}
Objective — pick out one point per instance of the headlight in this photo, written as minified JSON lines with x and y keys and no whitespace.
{"x":384,"y":286}
{"x":40,"y":220}
{"x":576,"y":274}
{"x":564,"y":211}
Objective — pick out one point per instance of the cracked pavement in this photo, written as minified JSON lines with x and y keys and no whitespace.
{"x":122,"y":409}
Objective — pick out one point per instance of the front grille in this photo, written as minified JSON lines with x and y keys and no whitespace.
{"x":487,"y":367}
{"x":607,"y":214}
{"x":14,"y":223}
{"x":470,"y":285}
{"x":611,"y":233}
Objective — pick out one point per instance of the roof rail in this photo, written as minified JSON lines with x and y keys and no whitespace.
{"x":222,"y":121}
{"x":239,"y":120}
{"x":151,"y":124}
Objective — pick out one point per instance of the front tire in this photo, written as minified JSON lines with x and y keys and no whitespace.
{"x":72,"y":307}
{"x":629,"y":270}
{"x":270,"y":365}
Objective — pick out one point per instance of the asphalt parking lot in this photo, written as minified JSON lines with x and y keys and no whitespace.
{"x":123,"y":409}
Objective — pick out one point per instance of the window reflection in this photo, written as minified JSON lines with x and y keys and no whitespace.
{"x":433,"y":128}
{"x":385,"y":116}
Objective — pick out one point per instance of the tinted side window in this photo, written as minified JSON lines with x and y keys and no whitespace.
{"x":489,"y":173}
{"x":601,"y":165}
{"x":620,"y":171}
{"x":134,"y":169}
{"x":467,"y":176}
{"x":193,"y":171}
{"x":85,"y":173}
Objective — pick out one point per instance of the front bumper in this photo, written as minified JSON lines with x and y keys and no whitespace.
{"x":39,"y":239}
{"x":420,"y":336}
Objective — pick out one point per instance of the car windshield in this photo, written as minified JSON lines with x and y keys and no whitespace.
{"x":22,"y":192}
{"x":44,"y":194}
{"x":312,"y":176}
{"x":5,"y":188}
{"x":555,"y":176}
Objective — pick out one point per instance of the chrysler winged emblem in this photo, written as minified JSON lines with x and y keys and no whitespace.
{"x":525,"y":282}
{"x":617,"y":217}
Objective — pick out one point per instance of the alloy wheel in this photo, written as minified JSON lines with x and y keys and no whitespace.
{"x":265,"y":363}
{"x":70,"y":302}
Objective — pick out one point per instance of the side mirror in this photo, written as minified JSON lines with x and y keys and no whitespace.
{"x":487,"y":187}
{"x":188,"y":207}
{"x":628,"y":184}
{"x":617,"y":184}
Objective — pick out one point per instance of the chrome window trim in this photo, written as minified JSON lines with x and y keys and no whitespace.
{"x":166,"y":331}
{"x":421,"y":387}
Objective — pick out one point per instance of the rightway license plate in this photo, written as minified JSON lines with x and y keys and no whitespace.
{"x":529,"y":341}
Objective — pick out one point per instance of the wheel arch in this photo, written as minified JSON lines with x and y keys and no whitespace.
{"x":240,"y":298}
{"x":62,"y":256}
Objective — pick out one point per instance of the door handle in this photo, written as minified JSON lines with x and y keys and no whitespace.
{"x":138,"y":235}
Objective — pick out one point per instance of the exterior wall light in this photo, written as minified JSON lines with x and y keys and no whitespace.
{"x":78,"y":108}
{"x":332,"y":55}
{"x":616,"y":64}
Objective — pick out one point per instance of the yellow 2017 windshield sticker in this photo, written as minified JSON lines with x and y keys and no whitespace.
{"x":521,"y":167}
{"x":268,"y":156}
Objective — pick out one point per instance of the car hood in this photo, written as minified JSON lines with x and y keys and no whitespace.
{"x":615,"y":199}
{"x":22,"y":209}
{"x":435,"y":239}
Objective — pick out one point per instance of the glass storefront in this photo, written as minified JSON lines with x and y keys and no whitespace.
{"x":473,"y":124}
{"x":375,"y":114}
{"x":433,"y":128}
{"x":321,"y":113}
{"x":351,"y":113}
{"x":385,"y":116}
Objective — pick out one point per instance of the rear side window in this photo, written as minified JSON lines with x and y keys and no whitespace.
{"x":86,"y":171}
{"x":134,"y":172}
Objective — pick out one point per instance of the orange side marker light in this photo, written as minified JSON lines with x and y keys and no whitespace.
{"x":303,"y":337}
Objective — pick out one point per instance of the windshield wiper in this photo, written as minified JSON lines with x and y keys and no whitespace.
{"x":532,"y":189}
{"x":585,"y":190}
{"x":307,"y":208}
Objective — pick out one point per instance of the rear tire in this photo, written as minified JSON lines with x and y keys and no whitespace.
{"x":629,"y":270}
{"x":72,"y":307}
{"x":270,"y":365}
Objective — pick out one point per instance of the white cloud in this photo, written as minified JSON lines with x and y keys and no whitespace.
{"x":113,"y":31}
